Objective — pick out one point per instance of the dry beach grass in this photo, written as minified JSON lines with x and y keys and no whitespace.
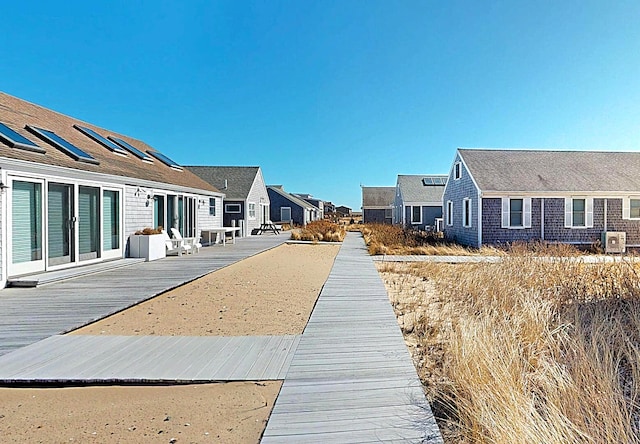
{"x":527,"y":350}
{"x":272,"y":293}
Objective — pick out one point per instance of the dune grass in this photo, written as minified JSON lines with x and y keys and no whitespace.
{"x":320,"y":230}
{"x":525,"y":351}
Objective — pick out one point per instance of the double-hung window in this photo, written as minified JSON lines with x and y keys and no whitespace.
{"x":516,"y":212}
{"x":252,"y":210}
{"x":212,"y":206}
{"x":449,"y":213}
{"x":466,"y":212}
{"x":578,"y":212}
{"x":631,"y":207}
{"x":416,"y":214}
{"x":457,"y":170}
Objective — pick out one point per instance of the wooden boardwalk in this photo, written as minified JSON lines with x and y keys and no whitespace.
{"x":80,"y":359}
{"x":28,"y":315}
{"x":351,"y":379}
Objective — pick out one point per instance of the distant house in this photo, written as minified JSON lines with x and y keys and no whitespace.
{"x":343,"y":211}
{"x":418,"y":200}
{"x":72,"y":193}
{"x":329,"y":208}
{"x":318,"y":203}
{"x":246,"y":200}
{"x":574,"y":197}
{"x":377,"y":204}
{"x":287,"y":208}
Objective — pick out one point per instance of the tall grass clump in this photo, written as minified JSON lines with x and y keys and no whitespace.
{"x":530,"y":350}
{"x":320,"y":230}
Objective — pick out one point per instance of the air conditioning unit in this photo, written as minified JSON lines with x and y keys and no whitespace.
{"x":614,"y":241}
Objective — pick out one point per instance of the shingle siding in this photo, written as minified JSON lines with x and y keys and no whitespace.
{"x":278,"y":201}
{"x":615,"y":222}
{"x":376,"y":216}
{"x":456,"y":191}
{"x":429,"y":215}
{"x":492,"y":231}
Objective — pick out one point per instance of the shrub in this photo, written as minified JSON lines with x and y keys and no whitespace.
{"x":320,"y":230}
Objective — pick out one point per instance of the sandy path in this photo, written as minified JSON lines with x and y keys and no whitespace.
{"x":272,"y":293}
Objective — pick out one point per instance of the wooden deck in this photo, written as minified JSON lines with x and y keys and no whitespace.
{"x":80,"y":359}
{"x":28,"y":315}
{"x":351,"y":379}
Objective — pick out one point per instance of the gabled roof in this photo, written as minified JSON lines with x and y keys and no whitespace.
{"x":302,"y":203}
{"x":413,"y":188}
{"x":239,"y":179}
{"x":378,"y":196}
{"x":16,"y":113}
{"x":553,"y":171}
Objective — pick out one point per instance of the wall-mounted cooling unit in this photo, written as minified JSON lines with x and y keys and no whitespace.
{"x":614,"y":241}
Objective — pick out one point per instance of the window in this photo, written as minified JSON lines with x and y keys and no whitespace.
{"x":449,"y":213}
{"x":132,"y":149}
{"x":388,"y":213}
{"x":164,"y":159}
{"x":15,"y":140}
{"x":466,"y":212}
{"x":252,"y":210}
{"x":457,"y":170}
{"x":232,"y":208}
{"x":634,"y":208}
{"x":63,"y":145}
{"x":578,"y":212}
{"x":516,"y":212}
{"x":212,"y":206}
{"x":111,"y":146}
{"x":285,"y":214}
{"x":416,"y":214}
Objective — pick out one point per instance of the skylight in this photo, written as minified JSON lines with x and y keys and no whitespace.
{"x":164,"y":159}
{"x":133,"y":150}
{"x":111,"y":146}
{"x":15,"y":140}
{"x":64,"y":146}
{"x":434,"y":181}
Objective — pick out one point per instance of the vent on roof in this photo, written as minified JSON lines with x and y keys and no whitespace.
{"x":63,"y":145}
{"x":111,"y":146}
{"x":164,"y":159}
{"x":428,"y":181}
{"x":15,"y":140}
{"x":133,"y":150}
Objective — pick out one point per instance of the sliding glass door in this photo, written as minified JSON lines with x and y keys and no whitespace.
{"x":26,"y":227}
{"x":89,"y":223}
{"x":111,"y":232}
{"x":60,"y":224}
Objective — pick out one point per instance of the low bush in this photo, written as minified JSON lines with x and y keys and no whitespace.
{"x":320,"y":231}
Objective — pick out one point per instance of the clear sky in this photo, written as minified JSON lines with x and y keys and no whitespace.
{"x":326,"y":96}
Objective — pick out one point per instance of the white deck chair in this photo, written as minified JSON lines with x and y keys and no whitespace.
{"x":192,"y":242}
{"x":175,"y":246}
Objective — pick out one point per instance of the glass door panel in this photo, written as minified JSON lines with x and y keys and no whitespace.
{"x":89,"y":223}
{"x":110,"y":221}
{"x":158,"y":212}
{"x":60,"y":224}
{"x":26,"y":227}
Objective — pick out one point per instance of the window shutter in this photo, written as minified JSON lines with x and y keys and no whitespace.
{"x":505,"y":212}
{"x":526,"y":212}
{"x":568,"y":212}
{"x":589,"y":213}
{"x":626,"y":208}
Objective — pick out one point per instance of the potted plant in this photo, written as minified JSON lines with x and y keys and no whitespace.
{"x":148,"y":243}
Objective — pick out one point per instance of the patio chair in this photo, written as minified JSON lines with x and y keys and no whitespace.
{"x":192,"y":242}
{"x":175,"y":246}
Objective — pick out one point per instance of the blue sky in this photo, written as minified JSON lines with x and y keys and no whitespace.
{"x":328,"y":95}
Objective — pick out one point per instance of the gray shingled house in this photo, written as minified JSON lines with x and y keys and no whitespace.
{"x":72,"y":193}
{"x":287,"y":208}
{"x":377,"y":205}
{"x":574,"y":197}
{"x":246,"y":200}
{"x":418,"y":201}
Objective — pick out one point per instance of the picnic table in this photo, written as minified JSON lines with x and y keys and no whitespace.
{"x":268,"y":226}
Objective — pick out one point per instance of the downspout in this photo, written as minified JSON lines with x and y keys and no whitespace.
{"x":605,"y":214}
{"x":542,"y":218}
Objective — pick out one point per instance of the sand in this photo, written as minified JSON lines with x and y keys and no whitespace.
{"x":272,"y":293}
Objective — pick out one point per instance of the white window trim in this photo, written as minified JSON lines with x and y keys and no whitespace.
{"x":506,"y":213}
{"x":464,"y":212}
{"x":568,"y":212}
{"x":226,"y":208}
{"x":250,"y":210}
{"x":457,"y":171}
{"x":212,"y":199}
{"x":449,"y":219}
{"x":413,"y":222}
{"x":626,"y":207}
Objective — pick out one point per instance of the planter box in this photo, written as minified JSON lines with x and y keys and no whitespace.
{"x":150,"y":247}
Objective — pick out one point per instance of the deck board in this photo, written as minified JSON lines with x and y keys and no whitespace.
{"x":28,"y":315}
{"x":351,"y":379}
